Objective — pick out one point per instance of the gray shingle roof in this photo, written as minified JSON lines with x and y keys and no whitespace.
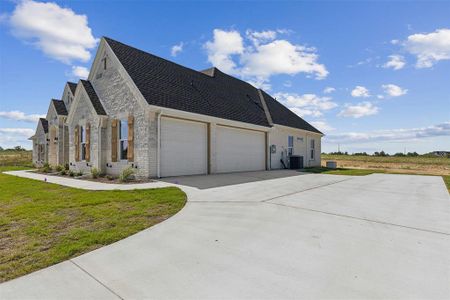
{"x":72,"y":86}
{"x":209,"y":92}
{"x":44,"y":123}
{"x":93,"y":97}
{"x":60,"y":107}
{"x":283,"y":116}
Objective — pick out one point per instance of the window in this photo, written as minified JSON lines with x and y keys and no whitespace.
{"x":123,"y":138}
{"x":104,"y":63}
{"x":40,"y":152}
{"x":83,"y":142}
{"x":290,"y":145}
{"x":312,"y":150}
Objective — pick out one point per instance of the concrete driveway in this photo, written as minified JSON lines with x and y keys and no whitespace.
{"x":273,"y":235}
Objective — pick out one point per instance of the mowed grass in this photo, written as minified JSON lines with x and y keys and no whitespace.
{"x":42,"y":224}
{"x":343,"y":171}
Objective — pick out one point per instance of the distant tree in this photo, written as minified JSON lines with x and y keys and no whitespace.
{"x":400,"y":154}
{"x":382,"y":153}
{"x":1,"y":148}
{"x":412,"y":154}
{"x":360,"y":154}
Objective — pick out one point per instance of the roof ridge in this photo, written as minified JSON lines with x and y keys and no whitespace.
{"x":214,"y":68}
{"x":148,"y":53}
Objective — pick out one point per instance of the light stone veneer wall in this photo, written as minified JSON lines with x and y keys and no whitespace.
{"x":40,"y":137}
{"x":119,"y":102}
{"x":84,"y":114}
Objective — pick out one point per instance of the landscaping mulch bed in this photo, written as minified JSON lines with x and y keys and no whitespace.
{"x":101,"y":179}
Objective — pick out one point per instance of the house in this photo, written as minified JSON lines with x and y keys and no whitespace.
{"x":162,"y":119}
{"x":51,"y":140}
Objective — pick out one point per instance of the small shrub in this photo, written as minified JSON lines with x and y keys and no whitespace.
{"x":46,"y":168}
{"x":71,"y":173}
{"x":127,"y":174}
{"x":79,"y":173}
{"x":59,"y":168}
{"x":95,"y":172}
{"x":66,"y":167}
{"x":63,"y":172}
{"x":109,"y":177}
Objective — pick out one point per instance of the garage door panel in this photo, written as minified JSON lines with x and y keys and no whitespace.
{"x":239,"y":150}
{"x":183,"y":147}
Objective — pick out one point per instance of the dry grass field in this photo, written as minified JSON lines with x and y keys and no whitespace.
{"x":16,"y":158}
{"x":407,"y":165}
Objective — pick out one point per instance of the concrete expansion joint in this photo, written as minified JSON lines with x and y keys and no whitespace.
{"x":92,"y":276}
{"x":361,"y":219}
{"x":305,"y":190}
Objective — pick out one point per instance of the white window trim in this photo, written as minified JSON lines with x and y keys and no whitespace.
{"x":312,"y":149}
{"x":82,"y":128}
{"x":290,"y":147}
{"x":121,"y":139}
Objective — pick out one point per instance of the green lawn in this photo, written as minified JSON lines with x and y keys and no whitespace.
{"x":362,"y":172}
{"x":421,"y":160}
{"x":42,"y":224}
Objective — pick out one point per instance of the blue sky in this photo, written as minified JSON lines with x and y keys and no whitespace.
{"x":372,"y":76}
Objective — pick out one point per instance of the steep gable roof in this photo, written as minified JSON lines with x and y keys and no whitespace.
{"x":60,"y":107}
{"x":93,"y":97}
{"x":283,"y":116}
{"x":44,"y":123}
{"x":72,"y":86}
{"x":208,"y":92}
{"x":164,"y":83}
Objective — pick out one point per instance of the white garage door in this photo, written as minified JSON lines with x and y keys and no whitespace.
{"x":183,"y":147}
{"x":239,"y":150}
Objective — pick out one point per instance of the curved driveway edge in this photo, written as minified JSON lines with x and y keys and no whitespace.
{"x":271,"y":235}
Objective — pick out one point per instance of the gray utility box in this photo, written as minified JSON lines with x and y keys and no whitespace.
{"x":295,"y":162}
{"x":331,"y":164}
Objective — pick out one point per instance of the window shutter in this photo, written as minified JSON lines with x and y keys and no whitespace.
{"x":114,"y":140}
{"x":88,"y":142}
{"x":130,"y":153}
{"x":77,"y":143}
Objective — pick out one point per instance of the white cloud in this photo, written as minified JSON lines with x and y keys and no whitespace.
{"x":59,"y":32}
{"x":442,"y":129}
{"x":394,"y":90}
{"x":380,"y":96}
{"x":261,"y":55}
{"x":80,"y":72}
{"x":307,"y":104}
{"x":360,"y":91}
{"x":323,"y":126}
{"x":258,"y":37}
{"x":281,"y":57}
{"x":176,"y":49}
{"x":329,"y":90}
{"x":224,"y":45}
{"x":395,"y":62}
{"x":11,"y":137}
{"x":359,"y":110}
{"x":395,"y":42}
{"x":20,"y":116}
{"x":429,"y":48}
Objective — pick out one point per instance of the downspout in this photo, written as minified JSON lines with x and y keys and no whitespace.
{"x":158,"y":164}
